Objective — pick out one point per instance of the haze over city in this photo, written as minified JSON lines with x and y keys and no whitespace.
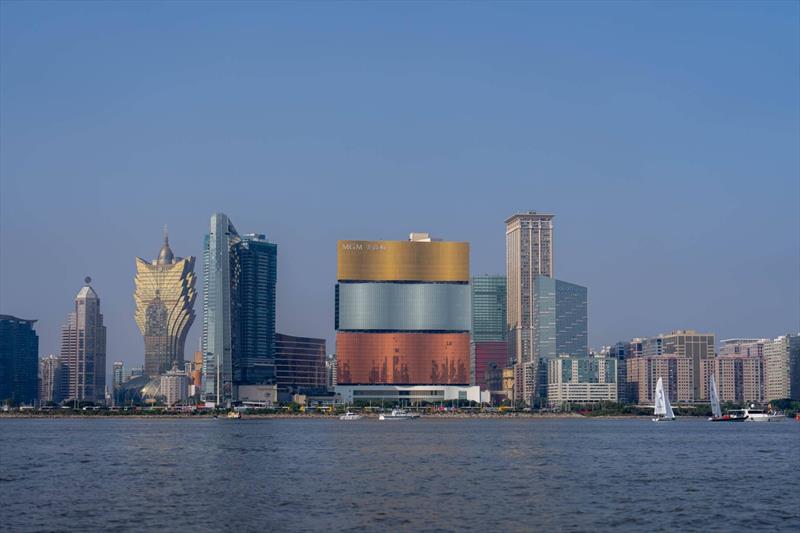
{"x":668,"y":152}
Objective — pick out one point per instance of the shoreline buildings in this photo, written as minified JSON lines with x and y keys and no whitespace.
{"x":238,"y":341}
{"x":19,"y":360}
{"x":165,"y":295}
{"x":403,"y":320}
{"x":83,"y":348}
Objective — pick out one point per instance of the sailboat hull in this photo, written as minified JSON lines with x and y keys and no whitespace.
{"x":664,"y":419}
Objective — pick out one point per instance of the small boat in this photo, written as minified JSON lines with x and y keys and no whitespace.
{"x":759,"y":415}
{"x":350,"y":415}
{"x":235,"y":415}
{"x":663,"y":410}
{"x":733,"y":415}
{"x":398,"y":414}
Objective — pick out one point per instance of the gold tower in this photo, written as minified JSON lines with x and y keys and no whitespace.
{"x":164,"y":298}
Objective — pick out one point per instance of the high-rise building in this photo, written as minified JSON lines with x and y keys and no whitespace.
{"x":488,"y":350}
{"x":581,"y":379}
{"x":117,"y":374}
{"x":83,"y":348}
{"x":19,"y":360}
{"x":677,"y":358}
{"x":300,"y":363}
{"x":165,"y":295}
{"x":560,"y":312}
{"x":782,"y":368}
{"x":739,"y":378}
{"x":489,"y":308}
{"x":402,"y":313}
{"x":529,"y":254}
{"x":254,"y":280}
{"x":50,"y":380}
{"x":239,"y":278}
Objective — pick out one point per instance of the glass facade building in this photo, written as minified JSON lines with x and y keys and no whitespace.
{"x":19,"y":360}
{"x":254,"y":281}
{"x":217,"y":310}
{"x":562,"y":319}
{"x":300,"y":363}
{"x":239,"y":304}
{"x":489,"y":308}
{"x":402,"y":307}
{"x":489,"y":351}
{"x":403,"y":312}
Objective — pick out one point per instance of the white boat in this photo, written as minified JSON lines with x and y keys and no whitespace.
{"x":235,"y":415}
{"x":759,"y":415}
{"x":349,"y":415}
{"x":398,"y":414}
{"x":663,"y":410}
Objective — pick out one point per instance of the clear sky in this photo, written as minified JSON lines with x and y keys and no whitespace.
{"x":664,"y":136}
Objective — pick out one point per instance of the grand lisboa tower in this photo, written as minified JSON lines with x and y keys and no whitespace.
{"x":164,"y":298}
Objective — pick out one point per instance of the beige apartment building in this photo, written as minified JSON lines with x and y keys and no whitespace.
{"x":782,"y":368}
{"x":529,"y":253}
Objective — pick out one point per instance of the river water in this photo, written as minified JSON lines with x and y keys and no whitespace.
{"x":100,"y":474}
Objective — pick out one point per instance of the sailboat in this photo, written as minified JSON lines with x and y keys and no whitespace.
{"x":663,"y":410}
{"x":716,"y":411}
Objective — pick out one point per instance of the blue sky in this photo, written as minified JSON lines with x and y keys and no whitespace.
{"x":664,"y":136}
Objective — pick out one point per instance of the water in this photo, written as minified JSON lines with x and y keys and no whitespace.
{"x":423,"y":475}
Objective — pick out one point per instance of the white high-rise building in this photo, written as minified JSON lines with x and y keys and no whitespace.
{"x":83,"y":348}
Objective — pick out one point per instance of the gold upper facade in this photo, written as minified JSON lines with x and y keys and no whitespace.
{"x":403,"y":261}
{"x":169,"y":283}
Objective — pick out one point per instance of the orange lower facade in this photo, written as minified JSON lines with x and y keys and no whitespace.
{"x":402,"y":358}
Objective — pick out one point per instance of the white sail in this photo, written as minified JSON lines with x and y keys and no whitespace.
{"x":670,"y":414}
{"x":661,"y":399}
{"x":712,"y":390}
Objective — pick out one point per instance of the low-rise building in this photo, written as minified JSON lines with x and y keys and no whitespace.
{"x":580,"y":379}
{"x":408,"y":395}
{"x":174,"y":386}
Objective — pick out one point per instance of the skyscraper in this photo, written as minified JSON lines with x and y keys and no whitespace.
{"x":254,"y":280}
{"x":238,"y":344}
{"x":19,"y":360}
{"x":402,"y":316}
{"x":164,"y":296}
{"x":489,"y":350}
{"x":217,"y":325}
{"x":529,"y":253}
{"x":83,"y":348}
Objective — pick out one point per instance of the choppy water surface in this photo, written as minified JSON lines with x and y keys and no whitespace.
{"x":423,"y":475}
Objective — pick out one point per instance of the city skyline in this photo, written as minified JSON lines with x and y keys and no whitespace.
{"x":672,"y":173}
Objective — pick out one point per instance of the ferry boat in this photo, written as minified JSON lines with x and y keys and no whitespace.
{"x":398,"y":414}
{"x":733,"y":415}
{"x":349,"y":415}
{"x":759,"y":415}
